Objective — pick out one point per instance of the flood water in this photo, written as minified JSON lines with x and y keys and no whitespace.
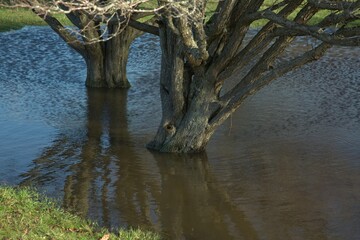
{"x":285,"y":166}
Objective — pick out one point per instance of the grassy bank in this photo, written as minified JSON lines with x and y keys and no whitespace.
{"x":12,"y":19}
{"x":25,"y":215}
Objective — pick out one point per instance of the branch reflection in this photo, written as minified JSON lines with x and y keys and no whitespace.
{"x":103,"y":173}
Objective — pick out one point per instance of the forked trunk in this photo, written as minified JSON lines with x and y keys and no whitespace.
{"x":105,"y":58}
{"x":187,"y":101}
{"x":199,"y":56}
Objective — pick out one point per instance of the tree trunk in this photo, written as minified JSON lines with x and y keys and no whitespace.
{"x":195,"y":68}
{"x":188,"y":101}
{"x":94,"y":58}
{"x":106,"y":61}
{"x":186,"y":130}
{"x":190,"y":135}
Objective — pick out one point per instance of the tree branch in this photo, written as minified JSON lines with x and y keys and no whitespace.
{"x":258,"y":43}
{"x":277,"y":48}
{"x":219,"y":19}
{"x":332,"y":5}
{"x":314,"y":31}
{"x":144,"y":27}
{"x":64,"y":33}
{"x":236,"y":96}
{"x":336,"y":18}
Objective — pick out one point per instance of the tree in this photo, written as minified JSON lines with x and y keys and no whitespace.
{"x":104,"y":45}
{"x":199,"y":57}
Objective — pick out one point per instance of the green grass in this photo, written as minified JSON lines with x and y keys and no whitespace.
{"x":13,"y":19}
{"x":26,"y":215}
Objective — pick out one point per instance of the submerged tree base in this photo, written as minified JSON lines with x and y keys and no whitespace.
{"x":190,"y":133}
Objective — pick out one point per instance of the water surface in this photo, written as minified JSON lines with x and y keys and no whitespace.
{"x":284,"y":166}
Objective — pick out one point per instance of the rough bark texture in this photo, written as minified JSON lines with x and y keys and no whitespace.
{"x":106,"y":61}
{"x":199,"y":57}
{"x":187,"y":100}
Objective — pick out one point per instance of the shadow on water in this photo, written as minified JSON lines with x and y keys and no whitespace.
{"x":285,"y":166}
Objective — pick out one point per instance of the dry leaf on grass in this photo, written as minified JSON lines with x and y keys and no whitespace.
{"x":105,"y":237}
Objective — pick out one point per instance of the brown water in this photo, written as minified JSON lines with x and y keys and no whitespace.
{"x":285,"y":166}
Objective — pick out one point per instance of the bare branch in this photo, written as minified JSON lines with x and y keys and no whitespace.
{"x":258,"y":43}
{"x":85,"y":14}
{"x":314,"y":31}
{"x":334,"y":5}
{"x":218,"y":21}
{"x":233,"y":100}
{"x":144,"y":27}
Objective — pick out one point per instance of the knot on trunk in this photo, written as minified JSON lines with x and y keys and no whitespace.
{"x":170,"y":129}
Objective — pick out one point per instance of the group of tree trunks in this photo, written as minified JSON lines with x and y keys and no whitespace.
{"x":199,"y":56}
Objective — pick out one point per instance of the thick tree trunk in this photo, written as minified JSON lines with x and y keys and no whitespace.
{"x":198,"y":58}
{"x":106,"y":61}
{"x":189,"y":136}
{"x":117,"y":53}
{"x":95,"y":76}
{"x":188,"y":99}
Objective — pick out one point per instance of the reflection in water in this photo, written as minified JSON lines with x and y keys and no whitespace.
{"x":285,"y":166}
{"x":107,"y":174}
{"x":194,"y":205}
{"x":177,"y":195}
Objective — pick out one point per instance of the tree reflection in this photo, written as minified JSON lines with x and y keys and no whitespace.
{"x":101,"y":172}
{"x":193,"y":205}
{"x":282,"y":190}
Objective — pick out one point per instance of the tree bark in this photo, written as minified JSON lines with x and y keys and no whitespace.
{"x":188,"y":100}
{"x":195,"y":66}
{"x":94,"y":58}
{"x":191,"y":135}
{"x":106,"y":61}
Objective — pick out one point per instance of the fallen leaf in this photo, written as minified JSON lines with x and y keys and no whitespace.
{"x":105,"y":237}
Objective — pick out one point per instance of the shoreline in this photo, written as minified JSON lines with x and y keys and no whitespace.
{"x":30,"y":215}
{"x":15,"y":19}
